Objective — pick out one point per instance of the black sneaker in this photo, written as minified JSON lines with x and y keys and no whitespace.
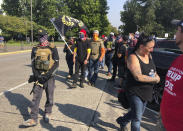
{"x":47,"y":117}
{"x":119,"y":121}
{"x":81,"y":85}
{"x":123,"y":128}
{"x":93,"y":84}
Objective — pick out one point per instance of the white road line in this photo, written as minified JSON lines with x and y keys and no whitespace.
{"x":2,"y":93}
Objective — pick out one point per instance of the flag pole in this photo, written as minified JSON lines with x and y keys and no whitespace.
{"x":61,"y":35}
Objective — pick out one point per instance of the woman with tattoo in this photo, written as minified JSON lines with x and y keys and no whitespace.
{"x":141,"y":76}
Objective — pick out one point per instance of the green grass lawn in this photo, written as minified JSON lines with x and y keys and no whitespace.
{"x":20,"y":43}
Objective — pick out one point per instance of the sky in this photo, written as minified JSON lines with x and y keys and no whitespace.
{"x":114,"y":12}
{"x":1,"y":3}
{"x":115,"y":6}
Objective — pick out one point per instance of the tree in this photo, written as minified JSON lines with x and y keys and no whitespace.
{"x":12,"y":26}
{"x":167,"y":11}
{"x":130,"y":16}
{"x":12,"y":7}
{"x":93,"y":13}
{"x":140,"y":14}
{"x":151,"y":16}
{"x":148,"y":22}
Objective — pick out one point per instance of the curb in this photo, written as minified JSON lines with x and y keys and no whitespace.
{"x":15,"y":52}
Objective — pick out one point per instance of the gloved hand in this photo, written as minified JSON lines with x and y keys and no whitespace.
{"x":36,"y":75}
{"x":44,"y":78}
{"x":31,"y":79}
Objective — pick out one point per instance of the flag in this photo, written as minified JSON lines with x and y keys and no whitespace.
{"x":64,"y":23}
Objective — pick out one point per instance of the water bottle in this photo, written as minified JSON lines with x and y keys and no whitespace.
{"x":152,"y":73}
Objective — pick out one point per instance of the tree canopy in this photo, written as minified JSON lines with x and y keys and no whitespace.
{"x":151,"y":16}
{"x":92,"y":12}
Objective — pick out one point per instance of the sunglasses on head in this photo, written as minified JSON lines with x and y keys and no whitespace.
{"x":150,"y":38}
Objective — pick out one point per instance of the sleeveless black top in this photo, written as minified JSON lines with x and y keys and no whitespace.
{"x":141,"y":89}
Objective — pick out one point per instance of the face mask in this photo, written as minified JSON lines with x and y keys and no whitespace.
{"x":43,"y":39}
{"x":81,"y":36}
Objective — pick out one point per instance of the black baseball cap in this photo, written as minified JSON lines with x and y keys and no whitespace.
{"x":125,"y":37}
{"x":177,"y":22}
{"x":42,"y":32}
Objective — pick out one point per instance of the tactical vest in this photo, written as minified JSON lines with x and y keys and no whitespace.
{"x":95,"y":48}
{"x":43,"y":58}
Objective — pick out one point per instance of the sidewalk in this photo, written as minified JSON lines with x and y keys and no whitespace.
{"x":88,"y":109}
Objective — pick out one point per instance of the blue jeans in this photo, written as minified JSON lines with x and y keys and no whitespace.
{"x":135,"y":114}
{"x":93,"y":70}
{"x":86,"y":72}
{"x":108,"y":61}
{"x":102,"y":63}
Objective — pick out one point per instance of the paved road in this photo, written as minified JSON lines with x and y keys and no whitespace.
{"x":88,"y":109}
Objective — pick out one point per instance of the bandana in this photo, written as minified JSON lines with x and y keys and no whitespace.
{"x":44,"y":40}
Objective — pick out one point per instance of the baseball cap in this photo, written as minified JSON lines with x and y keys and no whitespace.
{"x":177,"y":22}
{"x":42,"y":32}
{"x":83,"y":31}
{"x":111,"y":33}
{"x":96,"y":31}
{"x":125,"y":38}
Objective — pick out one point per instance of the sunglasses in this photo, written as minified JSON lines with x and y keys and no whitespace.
{"x":150,"y":38}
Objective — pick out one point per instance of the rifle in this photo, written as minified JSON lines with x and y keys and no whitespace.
{"x":36,"y":82}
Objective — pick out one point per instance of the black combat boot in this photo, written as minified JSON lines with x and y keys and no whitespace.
{"x":119,"y":121}
{"x":81,"y":85}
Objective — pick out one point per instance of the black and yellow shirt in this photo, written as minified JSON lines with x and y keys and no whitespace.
{"x":82,"y":47}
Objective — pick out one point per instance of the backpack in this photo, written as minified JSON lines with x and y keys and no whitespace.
{"x":123,"y":100}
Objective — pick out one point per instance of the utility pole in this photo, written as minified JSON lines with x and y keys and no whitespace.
{"x":31,"y":25}
{"x":137,"y":27}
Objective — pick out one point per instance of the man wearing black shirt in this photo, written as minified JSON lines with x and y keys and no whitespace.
{"x":122,"y":56}
{"x":81,"y":56}
{"x":115,"y":59}
{"x":69,"y":55}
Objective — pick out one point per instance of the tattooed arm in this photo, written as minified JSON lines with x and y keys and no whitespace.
{"x":134,"y":66}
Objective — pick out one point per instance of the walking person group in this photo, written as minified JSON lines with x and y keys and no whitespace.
{"x":136,"y":69}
